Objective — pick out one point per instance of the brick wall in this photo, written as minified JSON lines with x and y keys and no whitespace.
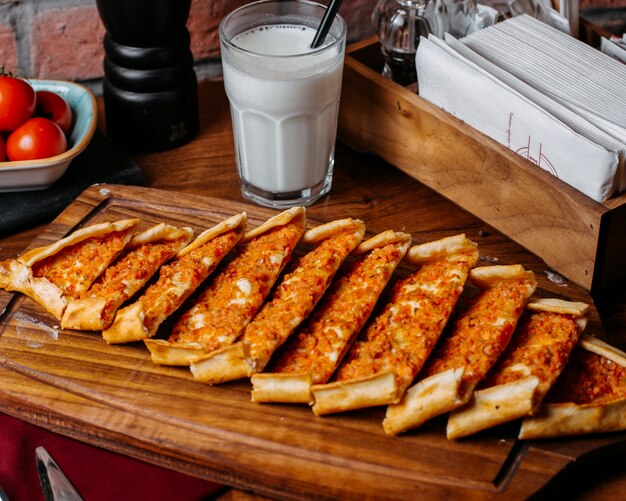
{"x":62,"y":39}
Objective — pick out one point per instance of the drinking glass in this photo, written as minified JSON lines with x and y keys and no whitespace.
{"x":284,"y":99}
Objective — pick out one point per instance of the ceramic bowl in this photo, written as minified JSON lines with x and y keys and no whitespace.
{"x":26,"y":175}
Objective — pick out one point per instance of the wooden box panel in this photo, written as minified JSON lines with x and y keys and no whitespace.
{"x":579,"y":238}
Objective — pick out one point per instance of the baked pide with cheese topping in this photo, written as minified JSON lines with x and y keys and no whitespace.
{"x":66,"y":268}
{"x":529,"y":367}
{"x":328,"y":325}
{"x":313,"y":353}
{"x":588,"y":397}
{"x":222,"y":311}
{"x":177,"y":281}
{"x":145,"y":253}
{"x":467,"y":352}
{"x":292,"y":301}
{"x":383,"y":362}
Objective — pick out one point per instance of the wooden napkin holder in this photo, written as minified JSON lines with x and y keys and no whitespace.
{"x":579,"y":238}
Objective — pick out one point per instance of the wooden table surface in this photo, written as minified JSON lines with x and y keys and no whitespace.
{"x":364,"y":187}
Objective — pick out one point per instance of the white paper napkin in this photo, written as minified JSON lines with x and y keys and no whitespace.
{"x":465,"y":90}
{"x":521,"y":83}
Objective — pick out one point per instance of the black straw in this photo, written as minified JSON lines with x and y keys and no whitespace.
{"x":327,"y":21}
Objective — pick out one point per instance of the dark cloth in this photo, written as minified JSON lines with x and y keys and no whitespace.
{"x":101,"y":162}
{"x":97,"y":474}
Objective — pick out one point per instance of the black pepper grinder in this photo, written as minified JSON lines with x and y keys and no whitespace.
{"x":150,"y":88}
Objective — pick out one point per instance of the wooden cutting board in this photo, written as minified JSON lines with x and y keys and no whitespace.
{"x":115,"y":397}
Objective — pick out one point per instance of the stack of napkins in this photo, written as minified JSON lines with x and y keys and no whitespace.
{"x":545,"y":95}
{"x":614,"y":47}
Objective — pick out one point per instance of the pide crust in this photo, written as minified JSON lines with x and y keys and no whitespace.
{"x":236,"y":221}
{"x":560,"y":420}
{"x":339,"y":396}
{"x":561,"y":306}
{"x":449,"y":246}
{"x":381,"y":240}
{"x":128,"y":325}
{"x":160,"y":232}
{"x":87,"y":313}
{"x":16,"y":276}
{"x":220,"y":314}
{"x":523,"y":395}
{"x":287,"y":388}
{"x":177,"y":281}
{"x":492,"y":406}
{"x":295,"y":214}
{"x":401,"y":338}
{"x":325,"y":231}
{"x":84,"y":314}
{"x":486,"y":276}
{"x":569,"y":418}
{"x":94,"y":231}
{"x":428,"y":398}
{"x":313,"y":353}
{"x":164,"y":353}
{"x":456,"y":366}
{"x":226,"y":364}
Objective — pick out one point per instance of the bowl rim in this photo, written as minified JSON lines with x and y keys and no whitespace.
{"x":74,"y":150}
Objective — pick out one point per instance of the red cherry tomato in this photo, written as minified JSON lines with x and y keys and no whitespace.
{"x":55,"y":108}
{"x":17,"y":102}
{"x":37,"y":138}
{"x":3,"y":150}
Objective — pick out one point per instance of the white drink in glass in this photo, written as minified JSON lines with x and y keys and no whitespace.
{"x":284,"y":99}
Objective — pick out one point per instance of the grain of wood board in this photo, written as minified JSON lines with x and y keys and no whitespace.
{"x":115,"y":397}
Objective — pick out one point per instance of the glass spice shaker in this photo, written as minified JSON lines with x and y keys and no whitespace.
{"x":398,"y":25}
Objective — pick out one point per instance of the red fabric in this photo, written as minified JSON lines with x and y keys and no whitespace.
{"x":96,"y":473}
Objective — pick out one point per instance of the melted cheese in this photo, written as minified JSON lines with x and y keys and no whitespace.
{"x":541,"y":347}
{"x":180,"y":278}
{"x":76,"y":267}
{"x":589,"y":379}
{"x":482,"y":333}
{"x":296,"y":297}
{"x":277,"y":258}
{"x":244,"y":285}
{"x":401,"y":338}
{"x":323,"y":340}
{"x":237,"y":293}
